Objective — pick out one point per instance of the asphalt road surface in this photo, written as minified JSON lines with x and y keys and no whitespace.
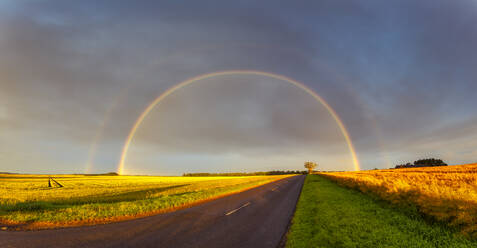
{"x":253,"y":218}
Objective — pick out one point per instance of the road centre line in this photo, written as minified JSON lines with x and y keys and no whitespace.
{"x":235,"y":210}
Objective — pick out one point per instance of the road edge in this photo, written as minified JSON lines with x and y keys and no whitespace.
{"x":283,"y":240}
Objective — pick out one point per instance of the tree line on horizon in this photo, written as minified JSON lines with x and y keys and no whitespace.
{"x":428,"y":162}
{"x":238,"y":174}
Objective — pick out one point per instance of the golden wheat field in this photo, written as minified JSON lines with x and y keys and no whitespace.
{"x":447,"y":193}
{"x":26,"y":201}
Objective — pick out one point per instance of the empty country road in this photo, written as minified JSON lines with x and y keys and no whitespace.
{"x":254,"y":218}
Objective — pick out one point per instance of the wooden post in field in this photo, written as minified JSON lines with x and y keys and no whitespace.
{"x":57,"y":183}
{"x":49,"y":182}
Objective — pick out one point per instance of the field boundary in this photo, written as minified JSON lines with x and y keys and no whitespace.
{"x":42,"y":225}
{"x":447,"y":207}
{"x":331,"y":215}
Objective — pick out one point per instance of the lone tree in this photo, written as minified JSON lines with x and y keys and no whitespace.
{"x":310,"y":166}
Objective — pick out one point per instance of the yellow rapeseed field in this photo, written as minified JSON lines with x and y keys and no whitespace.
{"x":447,"y":193}
{"x":26,"y":201}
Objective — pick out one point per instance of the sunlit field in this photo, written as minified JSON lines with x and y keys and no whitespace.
{"x":328,"y":215}
{"x":27,"y":202}
{"x":447,"y":194}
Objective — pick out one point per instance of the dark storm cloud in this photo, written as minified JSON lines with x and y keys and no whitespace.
{"x":426,"y":78}
{"x":391,"y":70}
{"x":241,"y":113}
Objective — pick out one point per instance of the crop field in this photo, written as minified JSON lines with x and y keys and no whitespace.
{"x":447,"y":194}
{"x":329,"y":215}
{"x":26,"y":201}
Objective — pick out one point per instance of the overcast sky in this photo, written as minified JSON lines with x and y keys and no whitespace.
{"x":75,"y":75}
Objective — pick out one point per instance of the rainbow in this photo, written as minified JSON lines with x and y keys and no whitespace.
{"x":171,"y":90}
{"x":93,"y":150}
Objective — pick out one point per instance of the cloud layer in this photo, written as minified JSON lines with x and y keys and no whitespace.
{"x":400,"y":74}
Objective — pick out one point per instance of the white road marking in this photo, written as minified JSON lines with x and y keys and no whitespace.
{"x":235,"y":210}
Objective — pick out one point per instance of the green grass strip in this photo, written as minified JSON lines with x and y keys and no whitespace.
{"x":328,"y":215}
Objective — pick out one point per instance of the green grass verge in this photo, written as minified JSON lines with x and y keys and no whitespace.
{"x":328,"y":215}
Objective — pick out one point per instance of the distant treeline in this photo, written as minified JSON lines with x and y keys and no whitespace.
{"x":239,"y":174}
{"x":428,"y":162}
{"x":100,"y":174}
